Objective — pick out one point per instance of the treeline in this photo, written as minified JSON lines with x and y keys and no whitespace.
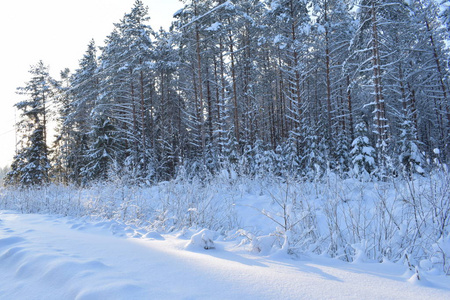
{"x":357,"y":87}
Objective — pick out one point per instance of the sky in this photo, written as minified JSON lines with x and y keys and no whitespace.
{"x":56,"y":32}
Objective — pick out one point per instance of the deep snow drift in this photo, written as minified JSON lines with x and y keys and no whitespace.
{"x":49,"y":257}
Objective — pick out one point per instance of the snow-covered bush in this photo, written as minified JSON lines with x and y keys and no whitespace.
{"x":403,"y":220}
{"x":441,"y":255}
{"x":204,"y":239}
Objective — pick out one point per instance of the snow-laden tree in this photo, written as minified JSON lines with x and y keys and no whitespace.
{"x":445,"y":14}
{"x":77,"y":115}
{"x":191,"y":25}
{"x":330,"y":38}
{"x":363,"y":155}
{"x":102,"y":150}
{"x":167,"y":143}
{"x":126,"y":89}
{"x":60,"y":149}
{"x":314,"y":158}
{"x":410,"y":157}
{"x":31,"y":164}
{"x":113,"y":93}
{"x":289,"y":160}
{"x":136,"y":59}
{"x":376,"y":19}
{"x":256,"y":86}
{"x":432,"y":87}
{"x":290,"y":22}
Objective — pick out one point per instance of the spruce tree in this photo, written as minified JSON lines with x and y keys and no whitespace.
{"x":31,"y":165}
{"x":362,"y":153}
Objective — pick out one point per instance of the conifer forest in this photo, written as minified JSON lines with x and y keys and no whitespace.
{"x":282,"y":128}
{"x":360,"y":88}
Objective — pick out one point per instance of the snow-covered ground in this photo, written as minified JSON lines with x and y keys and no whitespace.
{"x":50,"y":257}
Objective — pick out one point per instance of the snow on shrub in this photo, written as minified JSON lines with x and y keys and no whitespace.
{"x":442,"y":253}
{"x":202,"y":240}
{"x":349,"y":219}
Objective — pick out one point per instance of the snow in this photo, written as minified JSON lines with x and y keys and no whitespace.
{"x":274,"y":5}
{"x":321,"y":29}
{"x":202,"y":240}
{"x":305,"y":28}
{"x":278,"y":40}
{"x":54,"y":257}
{"x":227,"y":5}
{"x":178,"y":13}
{"x":214,"y":27}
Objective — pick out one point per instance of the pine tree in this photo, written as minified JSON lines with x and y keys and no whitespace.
{"x":331,"y":36}
{"x":261,"y":85}
{"x":112,"y":104}
{"x":445,"y":14}
{"x":290,"y":21}
{"x":60,"y":150}
{"x":436,"y":55}
{"x":77,"y":119}
{"x":191,"y":26}
{"x":168,"y":123}
{"x":136,"y":37}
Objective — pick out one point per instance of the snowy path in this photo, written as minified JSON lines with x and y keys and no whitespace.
{"x":46,"y":257}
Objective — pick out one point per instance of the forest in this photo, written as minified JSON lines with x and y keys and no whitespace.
{"x":302,"y":127}
{"x":285,"y":87}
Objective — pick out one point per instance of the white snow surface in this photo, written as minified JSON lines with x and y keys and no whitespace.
{"x":51,"y":257}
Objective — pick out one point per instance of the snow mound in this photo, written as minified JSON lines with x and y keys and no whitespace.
{"x":153,"y":235}
{"x":202,"y":239}
{"x":55,"y":261}
{"x":113,"y":291}
{"x":10,"y":240}
{"x":418,"y":279}
{"x":67,"y":276}
{"x":263,"y":244}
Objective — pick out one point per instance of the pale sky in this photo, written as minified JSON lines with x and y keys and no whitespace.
{"x":56,"y":32}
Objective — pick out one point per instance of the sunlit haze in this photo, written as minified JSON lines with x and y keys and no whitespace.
{"x":58,"y":33}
